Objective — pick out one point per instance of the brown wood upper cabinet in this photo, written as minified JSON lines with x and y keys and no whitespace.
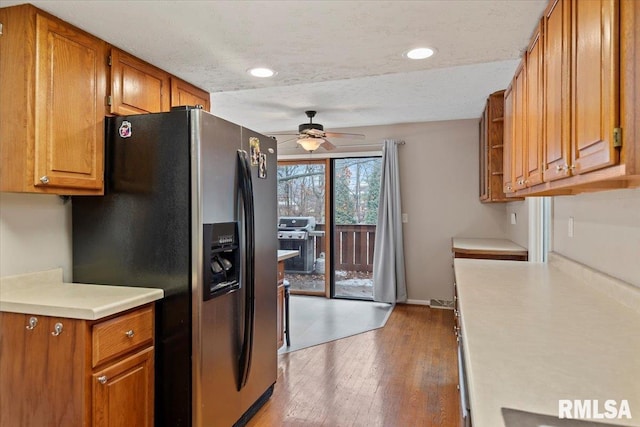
{"x":519,"y":142}
{"x":534,"y":145}
{"x":581,"y":97}
{"x":507,"y":164}
{"x":136,"y":86}
{"x":595,"y":84}
{"x":52,"y":105}
{"x":183,"y":93}
{"x":492,"y":140}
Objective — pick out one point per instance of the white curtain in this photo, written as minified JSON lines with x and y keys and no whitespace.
{"x":389,"y":284}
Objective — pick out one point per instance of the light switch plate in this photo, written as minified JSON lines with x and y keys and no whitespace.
{"x":513,"y":218}
{"x":405,"y":218}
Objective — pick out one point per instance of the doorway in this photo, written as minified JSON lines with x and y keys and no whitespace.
{"x":356,"y":195}
{"x":341,"y":196}
{"x":302,"y":199}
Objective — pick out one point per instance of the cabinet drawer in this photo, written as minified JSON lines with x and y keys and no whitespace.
{"x":121,"y":335}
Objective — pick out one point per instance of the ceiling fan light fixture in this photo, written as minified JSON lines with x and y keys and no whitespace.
{"x":310,"y":144}
{"x":261,"y":72}
{"x":420,"y":53}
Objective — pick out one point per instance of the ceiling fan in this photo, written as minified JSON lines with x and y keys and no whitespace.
{"x":311,"y":135}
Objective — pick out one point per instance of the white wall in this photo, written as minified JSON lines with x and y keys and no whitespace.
{"x":518,"y":232}
{"x":35,"y":234}
{"x":439,"y":186}
{"x":606,"y":231}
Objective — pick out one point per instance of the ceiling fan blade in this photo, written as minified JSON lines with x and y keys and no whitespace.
{"x":316,"y":133}
{"x":287,"y":140}
{"x":344,"y":135}
{"x":282,"y":133}
{"x":328,"y":146}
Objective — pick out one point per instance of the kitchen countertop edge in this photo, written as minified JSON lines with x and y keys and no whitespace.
{"x":44,"y":294}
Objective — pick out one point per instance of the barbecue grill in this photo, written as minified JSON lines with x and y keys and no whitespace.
{"x":296,"y":233}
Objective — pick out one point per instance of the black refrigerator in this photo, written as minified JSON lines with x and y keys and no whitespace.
{"x":190,"y":207}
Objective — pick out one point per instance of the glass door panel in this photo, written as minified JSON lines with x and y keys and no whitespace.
{"x":301,"y":199}
{"x":356,"y":194}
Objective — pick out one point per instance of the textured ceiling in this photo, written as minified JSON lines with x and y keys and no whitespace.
{"x":341,"y":58}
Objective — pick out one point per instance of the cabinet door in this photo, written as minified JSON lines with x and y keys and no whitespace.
{"x":137,"y":87}
{"x":42,"y":376}
{"x":534,"y":118}
{"x":507,"y":154}
{"x":519,"y":127}
{"x":183,"y":93}
{"x":595,"y":84}
{"x":123,"y":392}
{"x":69,"y":107}
{"x":557,"y":21}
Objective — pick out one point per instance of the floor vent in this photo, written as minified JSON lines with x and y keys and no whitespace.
{"x":441,"y":303}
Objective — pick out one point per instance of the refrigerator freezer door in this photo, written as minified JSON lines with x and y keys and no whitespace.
{"x":217,"y":323}
{"x":263,"y":371}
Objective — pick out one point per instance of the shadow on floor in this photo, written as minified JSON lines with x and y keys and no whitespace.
{"x":317,"y":320}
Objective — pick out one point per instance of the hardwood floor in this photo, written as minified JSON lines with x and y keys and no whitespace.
{"x":404,"y":374}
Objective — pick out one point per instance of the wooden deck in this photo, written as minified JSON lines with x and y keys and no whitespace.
{"x":402,"y":375}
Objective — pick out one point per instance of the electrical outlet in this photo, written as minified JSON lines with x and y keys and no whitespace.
{"x":513,"y":218}
{"x":570,"y":227}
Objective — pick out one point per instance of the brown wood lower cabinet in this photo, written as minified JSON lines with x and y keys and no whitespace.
{"x":123,"y":392}
{"x":48,"y":375}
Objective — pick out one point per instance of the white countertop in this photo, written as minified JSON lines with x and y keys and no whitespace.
{"x":283,"y":254}
{"x":489,"y":246}
{"x":534,"y":334}
{"x":45,"y":294}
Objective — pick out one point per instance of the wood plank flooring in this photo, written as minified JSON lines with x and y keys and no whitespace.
{"x":404,"y":374}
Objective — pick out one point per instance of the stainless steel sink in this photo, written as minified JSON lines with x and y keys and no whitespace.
{"x":517,"y":418}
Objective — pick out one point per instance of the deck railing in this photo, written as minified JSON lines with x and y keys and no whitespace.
{"x":354,"y":246}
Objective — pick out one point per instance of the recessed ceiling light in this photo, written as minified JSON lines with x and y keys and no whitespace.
{"x":420,"y":53}
{"x":261,"y":72}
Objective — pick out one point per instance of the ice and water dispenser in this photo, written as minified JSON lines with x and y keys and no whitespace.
{"x":221,"y":273}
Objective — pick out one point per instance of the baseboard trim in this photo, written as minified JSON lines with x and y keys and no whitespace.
{"x":418,"y":302}
{"x":427,"y":303}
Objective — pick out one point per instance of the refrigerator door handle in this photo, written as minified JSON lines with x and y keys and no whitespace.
{"x":246,"y":191}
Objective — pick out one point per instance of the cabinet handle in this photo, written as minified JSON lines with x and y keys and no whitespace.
{"x":129,"y":333}
{"x":57,"y":329}
{"x":44,"y":179}
{"x":33,"y":321}
{"x":102,"y":379}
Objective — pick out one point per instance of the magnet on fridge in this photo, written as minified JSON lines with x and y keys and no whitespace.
{"x":262,"y":167}
{"x":125,"y":129}
{"x":254,"y":144}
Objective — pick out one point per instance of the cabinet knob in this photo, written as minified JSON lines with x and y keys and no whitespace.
{"x":33,"y":321}
{"x":57,"y":329}
{"x":129,"y":333}
{"x":102,"y":379}
{"x":44,"y":179}
{"x":572,"y":167}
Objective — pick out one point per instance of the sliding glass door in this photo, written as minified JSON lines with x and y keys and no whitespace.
{"x":305,"y":188}
{"x":302,"y":201}
{"x":356,"y":193}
